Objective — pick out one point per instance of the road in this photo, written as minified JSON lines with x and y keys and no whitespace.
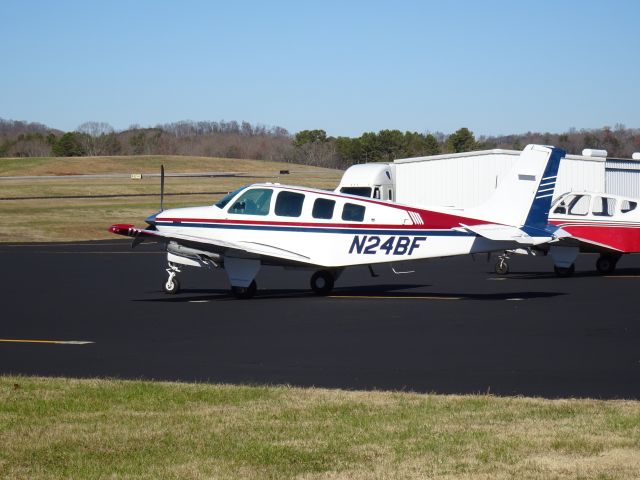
{"x":452,"y":327}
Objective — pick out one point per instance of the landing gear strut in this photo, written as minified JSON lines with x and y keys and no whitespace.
{"x":322,"y":282}
{"x":172,"y":285}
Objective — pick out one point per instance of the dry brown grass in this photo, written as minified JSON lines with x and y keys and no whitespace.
{"x":58,"y":219}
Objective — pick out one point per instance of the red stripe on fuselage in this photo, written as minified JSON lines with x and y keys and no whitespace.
{"x":625,"y":238}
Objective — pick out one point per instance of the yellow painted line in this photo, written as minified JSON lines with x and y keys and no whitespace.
{"x":394,"y":298}
{"x":54,"y":342}
{"x":622,"y":276}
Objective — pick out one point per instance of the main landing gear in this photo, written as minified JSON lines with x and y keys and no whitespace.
{"x":564,"y":271}
{"x":607,"y":263}
{"x":245,"y":292}
{"x":172,"y":285}
{"x":322,"y":282}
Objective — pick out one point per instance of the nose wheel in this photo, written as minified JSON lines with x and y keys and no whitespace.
{"x":502,"y":266}
{"x":172,"y":285}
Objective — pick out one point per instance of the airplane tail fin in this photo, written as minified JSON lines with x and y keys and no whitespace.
{"x":523,"y":198}
{"x":518,"y":211}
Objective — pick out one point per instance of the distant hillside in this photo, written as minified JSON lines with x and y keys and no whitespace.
{"x":243,"y":140}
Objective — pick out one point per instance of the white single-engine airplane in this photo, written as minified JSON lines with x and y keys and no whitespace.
{"x":598,"y":223}
{"x":272,"y":224}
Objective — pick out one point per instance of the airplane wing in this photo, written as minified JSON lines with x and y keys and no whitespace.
{"x":251,"y":249}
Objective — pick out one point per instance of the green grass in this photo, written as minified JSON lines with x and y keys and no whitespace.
{"x":61,"y":428}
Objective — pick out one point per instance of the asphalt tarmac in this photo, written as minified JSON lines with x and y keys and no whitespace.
{"x":451,"y":327}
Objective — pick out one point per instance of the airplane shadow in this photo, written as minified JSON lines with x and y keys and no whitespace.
{"x":578,"y":274}
{"x":374,"y":292}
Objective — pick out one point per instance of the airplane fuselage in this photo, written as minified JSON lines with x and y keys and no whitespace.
{"x":326,"y":229}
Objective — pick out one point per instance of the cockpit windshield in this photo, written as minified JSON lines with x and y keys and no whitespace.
{"x":228,"y":197}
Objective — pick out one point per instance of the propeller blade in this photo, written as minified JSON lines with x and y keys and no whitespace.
{"x":161,"y":188}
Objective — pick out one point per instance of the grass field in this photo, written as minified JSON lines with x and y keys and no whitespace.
{"x":59,"y":219}
{"x":60,"y":428}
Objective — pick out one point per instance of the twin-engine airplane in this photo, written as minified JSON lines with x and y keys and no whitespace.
{"x":272,"y":224}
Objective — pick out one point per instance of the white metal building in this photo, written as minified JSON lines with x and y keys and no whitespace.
{"x":622,"y":177}
{"x":467,"y":179}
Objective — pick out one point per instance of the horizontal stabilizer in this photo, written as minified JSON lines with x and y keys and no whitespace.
{"x":505,"y":233}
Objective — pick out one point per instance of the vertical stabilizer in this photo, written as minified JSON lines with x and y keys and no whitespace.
{"x":523,"y":197}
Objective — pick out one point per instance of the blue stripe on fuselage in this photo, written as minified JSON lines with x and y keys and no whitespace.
{"x":348,"y":231}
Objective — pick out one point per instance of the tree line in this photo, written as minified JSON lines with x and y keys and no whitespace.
{"x":312,"y":147}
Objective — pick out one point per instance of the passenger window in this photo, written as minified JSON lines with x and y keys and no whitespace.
{"x":603,"y":206}
{"x":628,"y":206}
{"x":376,"y":193}
{"x":253,"y":202}
{"x":323,"y":208}
{"x":579,"y":205}
{"x":353,"y":213}
{"x":289,"y":204}
{"x":561,"y":208}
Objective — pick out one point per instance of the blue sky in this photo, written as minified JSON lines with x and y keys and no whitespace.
{"x":496,"y":67}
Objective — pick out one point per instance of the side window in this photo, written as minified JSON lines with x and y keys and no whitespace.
{"x":323,"y":208}
{"x":353,"y":213}
{"x":390,"y":194}
{"x":376,"y":193}
{"x":579,"y":205}
{"x":289,"y":204}
{"x":253,"y":202}
{"x":561,"y":206}
{"x":603,"y":206}
{"x":628,"y":206}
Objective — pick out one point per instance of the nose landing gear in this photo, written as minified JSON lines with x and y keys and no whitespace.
{"x":172,"y":285}
{"x":502,"y":266}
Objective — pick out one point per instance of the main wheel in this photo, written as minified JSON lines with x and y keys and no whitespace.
{"x":501,"y":267}
{"x":171,"y":286}
{"x":245,"y":292}
{"x":606,"y":264}
{"x":322,"y":282}
{"x":565,"y":271}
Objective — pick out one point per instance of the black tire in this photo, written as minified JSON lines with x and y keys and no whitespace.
{"x":171,"y":286}
{"x":322,"y":282}
{"x":501,"y":267}
{"x":565,"y":271}
{"x":245,"y":292}
{"x":606,"y":264}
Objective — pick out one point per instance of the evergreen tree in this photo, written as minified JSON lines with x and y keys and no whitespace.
{"x":461,"y":141}
{"x":68,"y":146}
